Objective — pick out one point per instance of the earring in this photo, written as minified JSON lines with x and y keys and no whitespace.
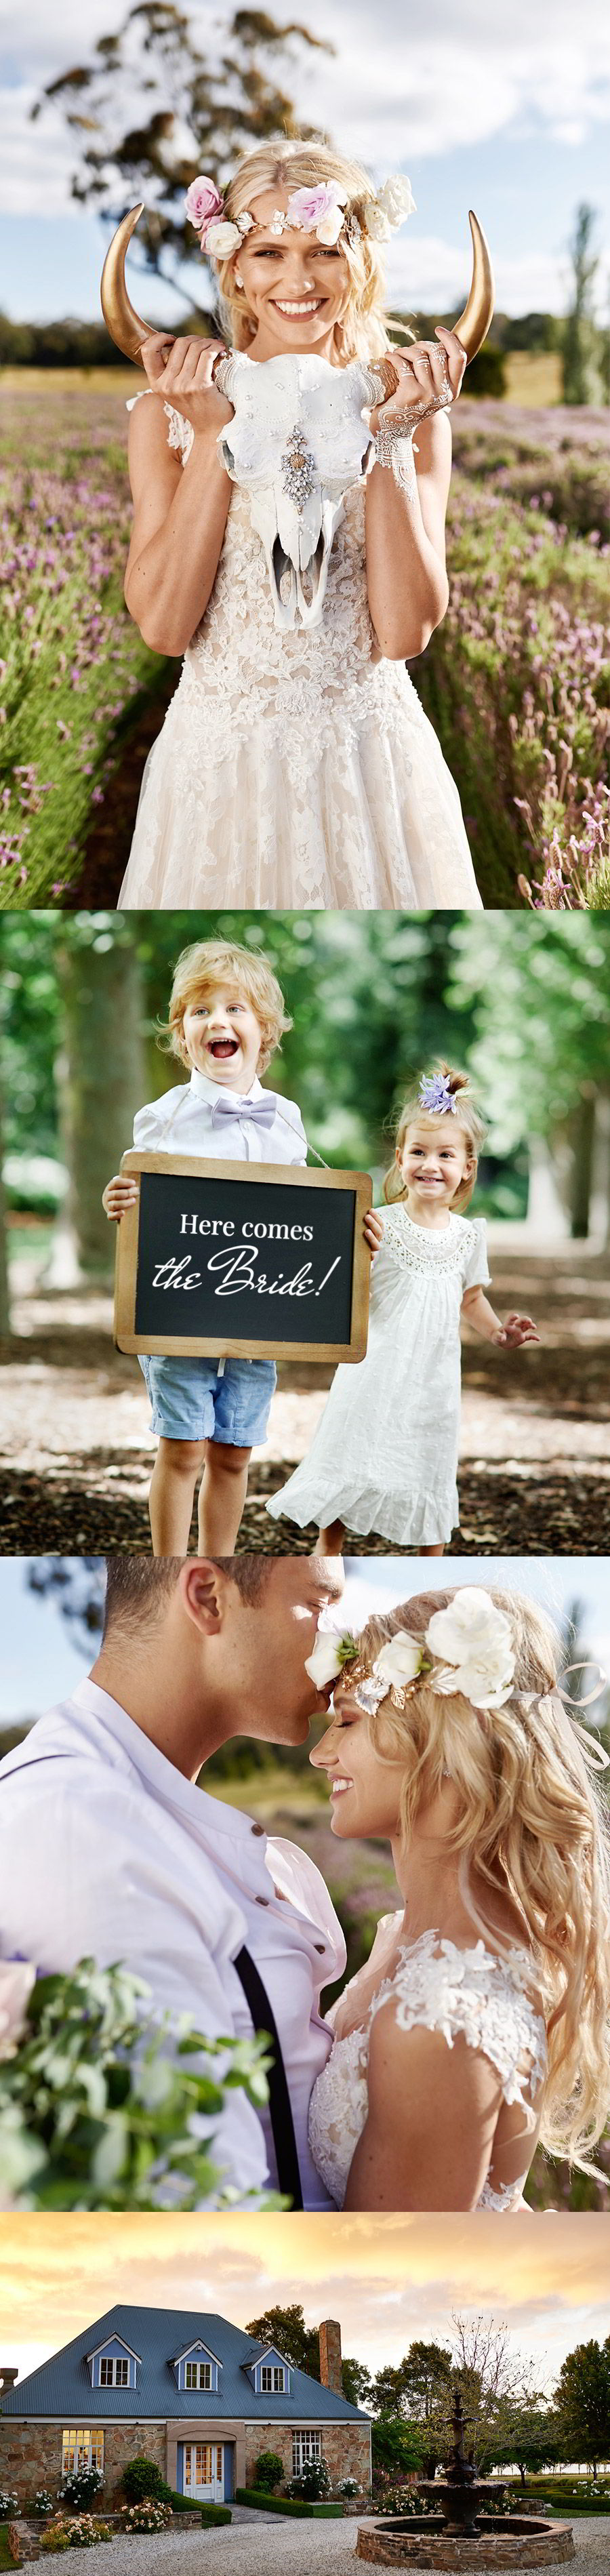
{"x":238,"y":277}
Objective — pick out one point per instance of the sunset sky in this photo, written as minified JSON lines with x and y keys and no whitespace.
{"x":388,"y":2280}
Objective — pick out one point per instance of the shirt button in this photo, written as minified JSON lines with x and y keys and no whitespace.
{"x":261,"y":1900}
{"x":258,"y":1829}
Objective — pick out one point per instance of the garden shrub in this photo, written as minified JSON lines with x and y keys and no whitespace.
{"x":268,"y":2471}
{"x":142,"y":2477}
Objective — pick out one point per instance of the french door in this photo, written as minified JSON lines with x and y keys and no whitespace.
{"x":204,"y":2471}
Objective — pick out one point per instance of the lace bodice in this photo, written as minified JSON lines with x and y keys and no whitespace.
{"x":435,"y":1986}
{"x":458,"y":1247}
{"x":304,"y":682}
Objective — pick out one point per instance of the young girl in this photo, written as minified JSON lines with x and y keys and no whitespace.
{"x":481,"y":2021}
{"x":295,"y":766}
{"x":384,"y":1456}
{"x":226,"y":1019}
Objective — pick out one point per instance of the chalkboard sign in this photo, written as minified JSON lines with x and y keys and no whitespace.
{"x":252,"y":1260}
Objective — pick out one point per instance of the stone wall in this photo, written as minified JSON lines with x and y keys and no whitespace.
{"x":30,"y":2454}
{"x":406,"y":2549}
{"x":345,"y":2449}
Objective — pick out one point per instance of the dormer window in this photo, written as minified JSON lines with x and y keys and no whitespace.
{"x":271,"y":2376}
{"x":273,"y":2379}
{"x":113,"y":2365}
{"x":197,"y":2367}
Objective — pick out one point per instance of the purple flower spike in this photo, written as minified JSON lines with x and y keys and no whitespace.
{"x":435,"y":1093}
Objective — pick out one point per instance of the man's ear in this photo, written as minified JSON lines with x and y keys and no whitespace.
{"x":202,"y":1586}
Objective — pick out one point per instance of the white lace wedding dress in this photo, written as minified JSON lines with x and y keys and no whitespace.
{"x":384,"y":1456}
{"x":294,"y":770}
{"x":436,"y":1986}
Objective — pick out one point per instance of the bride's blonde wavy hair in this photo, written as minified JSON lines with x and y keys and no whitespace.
{"x":531,"y":1821}
{"x":282,"y":164}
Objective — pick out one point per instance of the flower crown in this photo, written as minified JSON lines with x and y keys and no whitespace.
{"x":435,"y":1092}
{"x":324,"y":210}
{"x":467,"y":1647}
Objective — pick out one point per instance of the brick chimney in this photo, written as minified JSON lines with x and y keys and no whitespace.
{"x":330,"y":2355}
{"x":7,"y":2377}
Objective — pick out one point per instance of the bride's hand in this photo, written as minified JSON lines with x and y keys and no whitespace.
{"x":429,"y":378}
{"x":182,"y":371}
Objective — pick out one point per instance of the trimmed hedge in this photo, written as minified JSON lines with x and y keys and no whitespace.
{"x":284,"y":2504}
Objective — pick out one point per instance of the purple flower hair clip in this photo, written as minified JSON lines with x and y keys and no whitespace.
{"x":435,"y":1092}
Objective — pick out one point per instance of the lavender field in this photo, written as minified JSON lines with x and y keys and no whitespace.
{"x":516,"y":682}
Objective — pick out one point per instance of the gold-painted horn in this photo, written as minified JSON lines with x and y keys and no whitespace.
{"x":474,"y":322}
{"x":121,"y":321}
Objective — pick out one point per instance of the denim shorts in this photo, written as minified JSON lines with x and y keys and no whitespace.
{"x":190,"y":1401}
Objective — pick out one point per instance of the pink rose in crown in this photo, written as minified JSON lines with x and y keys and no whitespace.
{"x":203,"y":203}
{"x":308,"y":207}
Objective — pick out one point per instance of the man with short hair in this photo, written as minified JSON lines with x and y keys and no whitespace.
{"x":110,"y":1850}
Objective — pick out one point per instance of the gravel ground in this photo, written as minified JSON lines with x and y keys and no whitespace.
{"x":257,"y":2551}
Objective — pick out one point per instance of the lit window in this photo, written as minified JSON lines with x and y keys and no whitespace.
{"x":305,"y":2446}
{"x":82,"y":2449}
{"x":198,"y":2374}
{"x":272,"y":2381}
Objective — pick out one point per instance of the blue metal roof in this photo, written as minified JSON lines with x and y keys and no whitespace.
{"x":62,"y":2387}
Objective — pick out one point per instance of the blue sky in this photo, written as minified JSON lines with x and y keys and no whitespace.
{"x":42,"y":1660}
{"x":506,"y":110}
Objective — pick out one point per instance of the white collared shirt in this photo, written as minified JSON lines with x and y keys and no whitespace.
{"x":181,"y":1123}
{"x":107,"y":1852}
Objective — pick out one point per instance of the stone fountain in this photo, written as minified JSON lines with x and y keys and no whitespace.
{"x":463,"y":2535}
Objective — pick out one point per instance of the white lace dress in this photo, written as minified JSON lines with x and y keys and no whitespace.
{"x":384,"y":1456}
{"x":436,"y":1986}
{"x":294,"y":770}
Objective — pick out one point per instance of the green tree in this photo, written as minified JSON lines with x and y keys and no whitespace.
{"x":198,"y":113}
{"x":531,"y":2441}
{"x":582,"y":2400}
{"x":357,"y":2383}
{"x":582,"y":371}
{"x":286,"y":2328}
{"x":397,"y":2447}
{"x":101,"y":1075}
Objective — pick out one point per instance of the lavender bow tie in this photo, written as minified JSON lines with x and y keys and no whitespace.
{"x":261,"y":1112}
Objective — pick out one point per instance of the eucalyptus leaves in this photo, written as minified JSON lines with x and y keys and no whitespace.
{"x":95,"y":2112}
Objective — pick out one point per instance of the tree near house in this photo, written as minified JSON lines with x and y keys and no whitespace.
{"x":416,"y":2392}
{"x":196,"y":112}
{"x":582,"y":2402}
{"x":398,"y":2447}
{"x":285,"y":2329}
{"x":531,"y":2443}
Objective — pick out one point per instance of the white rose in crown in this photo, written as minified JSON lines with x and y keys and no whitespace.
{"x":396,"y":200}
{"x":473,"y":1639}
{"x":17,"y":1977}
{"x":376,"y":221}
{"x":325,"y":1662}
{"x":400,"y":1661}
{"x":221,"y":239}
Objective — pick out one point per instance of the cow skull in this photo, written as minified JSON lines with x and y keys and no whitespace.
{"x":296,"y":443}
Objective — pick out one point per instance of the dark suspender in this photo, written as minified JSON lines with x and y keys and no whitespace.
{"x":282,"y":2122}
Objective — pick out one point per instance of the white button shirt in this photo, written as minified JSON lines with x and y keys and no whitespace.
{"x":181,"y":1123}
{"x":107,"y":1852}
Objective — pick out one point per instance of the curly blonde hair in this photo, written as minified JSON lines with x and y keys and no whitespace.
{"x":467,"y":1117}
{"x":531,"y":1821}
{"x":223,"y":961}
{"x":361,"y":333}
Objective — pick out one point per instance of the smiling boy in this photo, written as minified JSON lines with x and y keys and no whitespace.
{"x":226,"y":1018}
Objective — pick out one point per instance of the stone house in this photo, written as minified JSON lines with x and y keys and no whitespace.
{"x":191,"y":2392}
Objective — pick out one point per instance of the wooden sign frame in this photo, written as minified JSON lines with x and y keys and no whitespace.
{"x":222,"y":1343}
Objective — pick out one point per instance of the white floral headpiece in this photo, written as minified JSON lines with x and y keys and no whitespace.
{"x":467,"y":1647}
{"x":323,"y":210}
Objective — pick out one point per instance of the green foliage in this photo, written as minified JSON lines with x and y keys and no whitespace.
{"x":285,"y":2328}
{"x":81,"y":2488}
{"x":94,"y":2111}
{"x":284,"y":2504}
{"x":312,"y":2484}
{"x":143,"y":2477}
{"x":268,"y":2471}
{"x":397,"y":2446}
{"x":582,"y":2400}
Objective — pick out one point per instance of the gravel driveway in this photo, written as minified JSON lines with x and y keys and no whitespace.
{"x":259,"y":2549}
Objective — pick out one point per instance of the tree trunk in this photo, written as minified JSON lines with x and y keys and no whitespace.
{"x":583,"y":1137}
{"x":5,"y":1320}
{"x":101,"y":1083}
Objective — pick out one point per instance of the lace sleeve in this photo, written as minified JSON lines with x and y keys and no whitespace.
{"x":180,"y":433}
{"x":486,"y":2000}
